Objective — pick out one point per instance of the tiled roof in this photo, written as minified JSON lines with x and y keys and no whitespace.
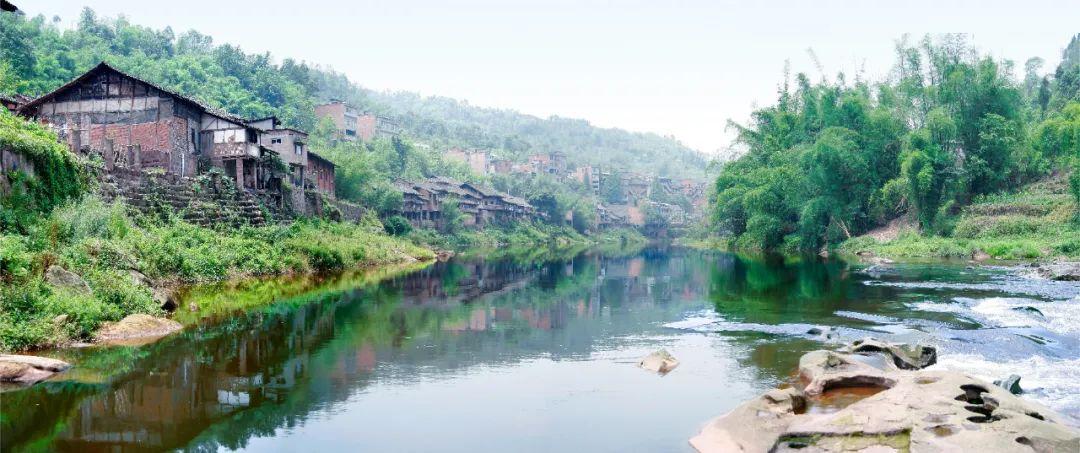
{"x":105,"y":66}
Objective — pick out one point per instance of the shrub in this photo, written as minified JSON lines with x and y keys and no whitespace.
{"x":397,"y":226}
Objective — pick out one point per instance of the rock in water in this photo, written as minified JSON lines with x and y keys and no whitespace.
{"x":1060,"y":271}
{"x":28,"y":369}
{"x":63,"y":278}
{"x":137,"y":329}
{"x":895,"y":410}
{"x":904,"y":357}
{"x":1011,"y":383}
{"x":660,"y":361}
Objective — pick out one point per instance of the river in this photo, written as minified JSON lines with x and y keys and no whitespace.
{"x":530,"y":355}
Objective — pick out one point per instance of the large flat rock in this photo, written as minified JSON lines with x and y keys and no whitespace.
{"x":907,"y":410}
{"x":29,"y":369}
{"x":137,"y":329}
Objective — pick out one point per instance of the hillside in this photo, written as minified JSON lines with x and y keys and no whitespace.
{"x":448,"y":121}
{"x":1036,"y":221}
{"x":37,"y":56}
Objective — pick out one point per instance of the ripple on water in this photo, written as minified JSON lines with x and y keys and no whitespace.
{"x":1011,"y":284}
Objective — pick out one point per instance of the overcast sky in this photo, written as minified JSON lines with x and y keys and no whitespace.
{"x":674,"y":68}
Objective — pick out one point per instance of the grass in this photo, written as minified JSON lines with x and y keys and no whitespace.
{"x":106,"y":245}
{"x":1037,"y":222}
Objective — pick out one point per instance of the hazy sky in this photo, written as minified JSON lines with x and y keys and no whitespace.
{"x":674,"y":68}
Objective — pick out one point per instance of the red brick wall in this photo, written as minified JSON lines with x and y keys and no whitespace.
{"x":164,"y":143}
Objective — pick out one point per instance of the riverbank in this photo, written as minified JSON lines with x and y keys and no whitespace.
{"x":1038,"y":222}
{"x":89,"y":262}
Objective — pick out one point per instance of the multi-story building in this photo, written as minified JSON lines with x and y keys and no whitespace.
{"x":552,"y":163}
{"x":352,"y":124}
{"x":589,"y":176}
{"x":344,"y":116}
{"x":305,"y":167}
{"x":477,"y":160}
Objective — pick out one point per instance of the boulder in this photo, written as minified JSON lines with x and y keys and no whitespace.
{"x":979,"y":256}
{"x":138,"y":278}
{"x":63,"y":278}
{"x":905,"y":357}
{"x":137,"y":329}
{"x":165,"y":298}
{"x":820,"y":371}
{"x":1063,"y":271}
{"x":908,"y":410}
{"x":28,"y":369}
{"x":1011,"y":383}
{"x":660,"y":361}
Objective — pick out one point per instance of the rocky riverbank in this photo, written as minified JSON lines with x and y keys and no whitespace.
{"x":873,"y":396}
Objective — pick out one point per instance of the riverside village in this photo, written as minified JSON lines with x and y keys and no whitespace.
{"x":512,"y":227}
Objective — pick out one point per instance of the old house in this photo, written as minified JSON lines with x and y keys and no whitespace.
{"x":136,"y":124}
{"x":13,"y":102}
{"x":306,"y":170}
{"x":423,"y":203}
{"x":321,"y":173}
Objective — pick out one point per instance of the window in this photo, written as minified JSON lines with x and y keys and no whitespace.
{"x":275,"y":140}
{"x":298,"y":148}
{"x":350,"y":132}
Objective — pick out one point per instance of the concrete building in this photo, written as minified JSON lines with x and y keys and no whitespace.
{"x":589,"y":176}
{"x":477,"y":160}
{"x":352,"y":124}
{"x":552,"y":163}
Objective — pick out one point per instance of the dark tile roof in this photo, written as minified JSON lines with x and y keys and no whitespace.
{"x":103,"y":66}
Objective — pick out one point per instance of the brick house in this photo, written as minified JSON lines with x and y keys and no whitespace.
{"x":306,"y":169}
{"x":136,"y":124}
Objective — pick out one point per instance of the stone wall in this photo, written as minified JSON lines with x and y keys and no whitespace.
{"x":209,"y":199}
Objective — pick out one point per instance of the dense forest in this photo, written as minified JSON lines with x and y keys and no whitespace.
{"x":37,"y":55}
{"x":834,"y":158}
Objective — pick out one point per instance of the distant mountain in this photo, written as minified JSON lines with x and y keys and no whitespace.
{"x":448,"y":121}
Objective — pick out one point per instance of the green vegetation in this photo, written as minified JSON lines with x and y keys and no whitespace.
{"x":835,"y":159}
{"x":103,"y":244}
{"x":59,"y":180}
{"x":1036,"y":222}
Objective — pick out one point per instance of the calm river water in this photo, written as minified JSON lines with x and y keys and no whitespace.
{"x":530,"y":355}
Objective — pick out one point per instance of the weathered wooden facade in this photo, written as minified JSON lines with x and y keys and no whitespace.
{"x":422,"y":203}
{"x":136,"y":124}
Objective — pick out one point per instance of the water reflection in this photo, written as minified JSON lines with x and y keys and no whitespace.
{"x":220,"y":383}
{"x":480,"y":354}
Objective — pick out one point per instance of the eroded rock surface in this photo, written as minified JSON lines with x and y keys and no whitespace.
{"x":910,"y":410}
{"x":28,"y":369}
{"x":137,"y":329}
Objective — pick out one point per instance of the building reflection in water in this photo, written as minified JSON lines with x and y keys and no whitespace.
{"x":220,"y":384}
